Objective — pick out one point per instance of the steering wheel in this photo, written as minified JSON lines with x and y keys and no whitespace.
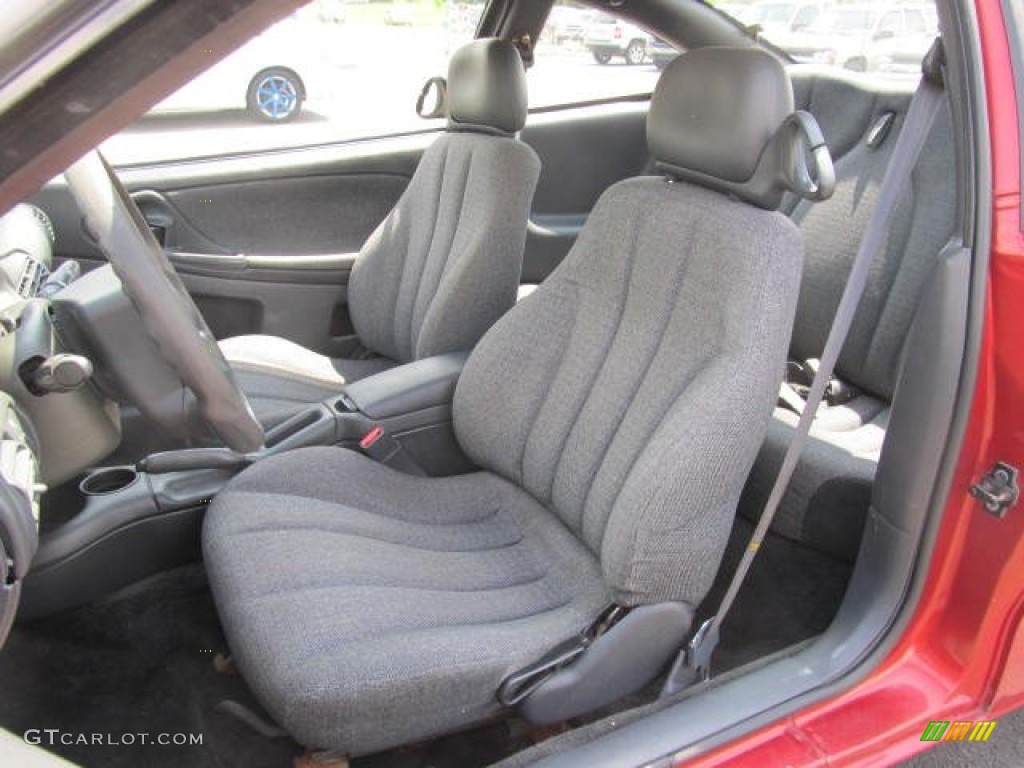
{"x":169,"y":316}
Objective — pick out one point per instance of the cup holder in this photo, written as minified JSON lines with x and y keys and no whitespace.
{"x":108,"y":480}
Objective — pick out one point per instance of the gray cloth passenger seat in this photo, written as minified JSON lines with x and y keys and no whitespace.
{"x":613,"y":414}
{"x":445,"y":263}
{"x":826,"y":503}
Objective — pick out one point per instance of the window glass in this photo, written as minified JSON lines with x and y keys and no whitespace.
{"x":334,"y":70}
{"x":585,"y":55}
{"x":916,"y":22}
{"x":772,"y":13}
{"x":864,"y":37}
{"x":891,"y":23}
{"x":805,"y":17}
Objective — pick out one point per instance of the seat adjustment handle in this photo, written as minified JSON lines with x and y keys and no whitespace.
{"x":521,"y":684}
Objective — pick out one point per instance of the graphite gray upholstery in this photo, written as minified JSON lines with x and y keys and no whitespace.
{"x":443,"y":265}
{"x":615,"y":413}
{"x":828,"y":498}
{"x":638,"y":418}
{"x":477,"y":579}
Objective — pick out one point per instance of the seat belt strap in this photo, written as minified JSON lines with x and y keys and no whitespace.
{"x":694,"y":662}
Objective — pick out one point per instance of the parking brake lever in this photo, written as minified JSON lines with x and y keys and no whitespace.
{"x":191,"y":459}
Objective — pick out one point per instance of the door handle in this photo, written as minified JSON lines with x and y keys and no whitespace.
{"x":205,"y":263}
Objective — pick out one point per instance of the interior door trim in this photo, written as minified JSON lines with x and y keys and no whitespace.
{"x":332,"y":268}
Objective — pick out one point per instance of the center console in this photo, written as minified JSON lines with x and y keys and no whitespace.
{"x":135,"y":521}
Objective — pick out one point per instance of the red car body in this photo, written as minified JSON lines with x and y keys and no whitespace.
{"x":961,"y":656}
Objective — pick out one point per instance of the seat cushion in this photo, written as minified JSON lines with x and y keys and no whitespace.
{"x":368,"y":608}
{"x":827,"y":500}
{"x":280,"y":377}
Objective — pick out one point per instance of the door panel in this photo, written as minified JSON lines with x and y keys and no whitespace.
{"x":303,"y":313}
{"x":584,"y":151}
{"x":265,"y":244}
{"x":285,"y":216}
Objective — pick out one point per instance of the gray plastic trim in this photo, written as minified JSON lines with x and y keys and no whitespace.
{"x":408,"y":388}
{"x":616,"y":664}
{"x":318,"y":269}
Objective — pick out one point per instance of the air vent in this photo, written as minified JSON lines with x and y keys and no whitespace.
{"x":32,"y":276}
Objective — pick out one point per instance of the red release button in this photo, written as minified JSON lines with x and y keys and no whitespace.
{"x":371,"y":437}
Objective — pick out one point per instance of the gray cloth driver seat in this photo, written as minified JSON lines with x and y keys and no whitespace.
{"x":614,"y":414}
{"x":445,"y":263}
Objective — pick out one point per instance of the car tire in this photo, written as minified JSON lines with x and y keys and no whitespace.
{"x":636,"y":52}
{"x":602,"y":58}
{"x":275,"y":95}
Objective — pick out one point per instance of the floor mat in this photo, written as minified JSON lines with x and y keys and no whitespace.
{"x":791,"y":593}
{"x":141,"y":662}
{"x":790,"y":596}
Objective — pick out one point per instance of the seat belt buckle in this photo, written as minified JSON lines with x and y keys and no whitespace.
{"x":838,"y":392}
{"x":385,"y":449}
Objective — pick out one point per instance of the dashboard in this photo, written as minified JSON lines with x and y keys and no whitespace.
{"x":26,"y":255}
{"x":49,"y":430}
{"x":46,"y":390}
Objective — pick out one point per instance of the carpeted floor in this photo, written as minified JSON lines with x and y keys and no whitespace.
{"x":138,"y":662}
{"x":141,"y":661}
{"x":791,"y":593}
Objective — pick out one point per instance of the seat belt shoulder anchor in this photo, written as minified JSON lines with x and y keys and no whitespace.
{"x":693,"y":664}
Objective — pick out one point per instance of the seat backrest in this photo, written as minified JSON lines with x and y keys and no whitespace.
{"x":445,"y":263}
{"x":849,"y":113}
{"x":630,"y":392}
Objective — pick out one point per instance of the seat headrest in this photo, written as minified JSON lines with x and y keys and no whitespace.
{"x":723,"y":118}
{"x":487,"y":88}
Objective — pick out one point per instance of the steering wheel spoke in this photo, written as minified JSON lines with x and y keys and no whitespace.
{"x":168,"y":314}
